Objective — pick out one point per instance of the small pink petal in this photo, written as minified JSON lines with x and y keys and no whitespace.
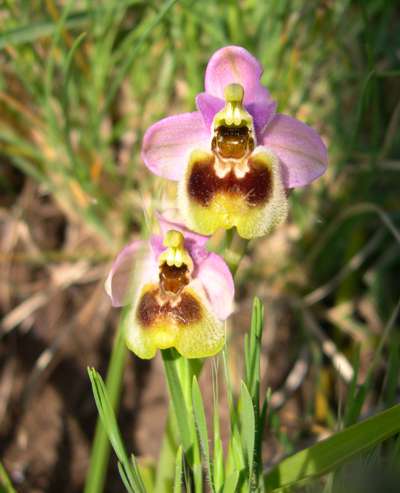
{"x":168,"y":143}
{"x":133,"y":265}
{"x":157,"y":245}
{"x":302,"y":153}
{"x":262,"y":112}
{"x":208,"y":106}
{"x":234,"y":64}
{"x":217,"y":281}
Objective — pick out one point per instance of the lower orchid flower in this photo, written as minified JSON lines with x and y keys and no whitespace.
{"x":179,"y":292}
{"x":235,"y":157}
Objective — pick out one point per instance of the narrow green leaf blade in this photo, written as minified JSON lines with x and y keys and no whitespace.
{"x":231,"y":483}
{"x":129,"y":471}
{"x":5,"y":482}
{"x":334,"y":451}
{"x":178,"y":471}
{"x":201,"y":423}
{"x":247,"y":426}
{"x":125,"y":478}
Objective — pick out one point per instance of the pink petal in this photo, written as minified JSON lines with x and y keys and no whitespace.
{"x":262,"y":112}
{"x":217,"y":281}
{"x":157,"y":245}
{"x":168,"y":143}
{"x":302,"y":153}
{"x":133,"y":265}
{"x":235,"y":64}
{"x":208,"y":106}
{"x":194,"y":242}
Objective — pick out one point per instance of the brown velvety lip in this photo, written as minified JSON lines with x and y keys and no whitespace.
{"x":204,"y":184}
{"x":185,"y":310}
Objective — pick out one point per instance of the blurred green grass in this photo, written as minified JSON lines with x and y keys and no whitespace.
{"x":80,"y":81}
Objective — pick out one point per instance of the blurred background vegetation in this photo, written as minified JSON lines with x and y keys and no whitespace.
{"x":80,"y":81}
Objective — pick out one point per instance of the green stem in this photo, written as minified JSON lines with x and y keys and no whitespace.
{"x":100,"y":453}
{"x":234,"y":251}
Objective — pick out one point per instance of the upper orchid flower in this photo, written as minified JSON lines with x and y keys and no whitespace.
{"x":180,"y":293}
{"x":235,"y":156}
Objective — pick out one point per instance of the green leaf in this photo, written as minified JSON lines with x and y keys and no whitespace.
{"x":167,"y":457}
{"x":247,"y":426}
{"x":218,"y":451}
{"x":128,"y":469}
{"x":5,"y":482}
{"x":201,"y":423}
{"x":235,"y":460}
{"x":253,"y":350}
{"x":218,"y":464}
{"x":178,"y":471}
{"x":334,"y":451}
{"x":237,"y":450}
{"x":100,"y":451}
{"x":231,"y":483}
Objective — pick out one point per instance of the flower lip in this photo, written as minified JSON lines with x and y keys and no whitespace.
{"x":204,"y":182}
{"x":185,"y":309}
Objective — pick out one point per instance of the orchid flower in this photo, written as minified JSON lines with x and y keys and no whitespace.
{"x":235,"y":157}
{"x":179,"y":292}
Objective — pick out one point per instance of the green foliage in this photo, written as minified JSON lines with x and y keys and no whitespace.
{"x":5,"y":482}
{"x":201,"y":424}
{"x":178,"y":483}
{"x":334,"y":451}
{"x":128,"y":468}
{"x":243,"y":469}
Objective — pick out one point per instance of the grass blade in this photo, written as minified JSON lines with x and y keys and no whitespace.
{"x":5,"y":482}
{"x":200,"y":418}
{"x":334,"y":451}
{"x":178,"y":471}
{"x":231,"y":483}
{"x":129,"y":471}
{"x":247,"y":426}
{"x":101,"y":447}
